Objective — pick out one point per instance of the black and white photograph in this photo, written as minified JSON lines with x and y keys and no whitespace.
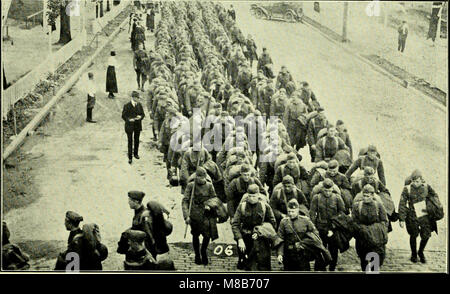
{"x":224,"y":137}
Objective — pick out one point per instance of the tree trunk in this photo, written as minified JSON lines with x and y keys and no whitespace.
{"x":64,"y":34}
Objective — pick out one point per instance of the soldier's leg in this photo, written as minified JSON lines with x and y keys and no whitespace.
{"x":196,"y":245}
{"x":318,"y":264}
{"x":130,"y":144}
{"x":136,"y":142}
{"x":138,"y":78}
{"x":143,"y":80}
{"x":204,"y":254}
{"x":334,"y":251}
{"x":425,"y":234}
{"x":249,"y":256}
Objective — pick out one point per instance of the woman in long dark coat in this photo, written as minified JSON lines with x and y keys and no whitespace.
{"x":111,"y":80}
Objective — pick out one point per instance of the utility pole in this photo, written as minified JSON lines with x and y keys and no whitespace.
{"x":344,"y":24}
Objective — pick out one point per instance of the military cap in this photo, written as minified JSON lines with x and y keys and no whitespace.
{"x":293,"y":203}
{"x":327,"y":183}
{"x":320,"y":109}
{"x":291,"y":156}
{"x":333,"y":164}
{"x":240,"y":130}
{"x":245,"y":168}
{"x":368,"y":171}
{"x":73,"y":216}
{"x":253,"y":189}
{"x":135,"y":235}
{"x":136,"y":195}
{"x":339,"y":122}
{"x":416,"y":174}
{"x":288,"y":180}
{"x":368,"y":189}
{"x":135,"y":94}
{"x":200,"y":172}
{"x":371,"y":148}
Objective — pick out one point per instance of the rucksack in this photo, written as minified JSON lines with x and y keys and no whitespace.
{"x":360,"y":204}
{"x":324,"y":143}
{"x":434,"y":207}
{"x":260,"y":201}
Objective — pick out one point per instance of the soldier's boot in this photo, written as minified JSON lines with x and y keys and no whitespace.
{"x":205,"y":244}
{"x":196,"y":245}
{"x":423,"y":243}
{"x":413,"y":245}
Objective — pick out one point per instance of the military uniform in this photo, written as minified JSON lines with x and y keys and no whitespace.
{"x":314,"y":126}
{"x":283,"y":79}
{"x":236,"y":189}
{"x":298,"y":173}
{"x":323,"y":209}
{"x":290,"y":230}
{"x":189,"y":163}
{"x":73,"y":242}
{"x":363,"y":161}
{"x":327,"y":147}
{"x":374,"y":182}
{"x":138,"y":260}
{"x":280,"y":198}
{"x":243,"y":223}
{"x":294,"y":127}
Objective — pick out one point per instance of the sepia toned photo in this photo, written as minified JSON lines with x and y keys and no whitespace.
{"x":224,"y":137}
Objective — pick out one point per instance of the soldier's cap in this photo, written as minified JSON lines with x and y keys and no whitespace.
{"x":200,"y":172}
{"x":264,"y":49}
{"x":73,"y":217}
{"x":253,"y":189}
{"x":291,"y":156}
{"x":240,"y":130}
{"x":135,"y":235}
{"x":288,"y":149}
{"x":293,"y":203}
{"x":218,"y":105}
{"x":339,"y":122}
{"x":136,"y":195}
{"x":368,"y":189}
{"x":322,"y":164}
{"x":245,"y":168}
{"x":327,"y":183}
{"x":368,"y":171}
{"x":135,"y":94}
{"x":320,"y":109}
{"x":333,"y":164}
{"x":416,"y":174}
{"x":288,"y":180}
{"x":283,"y":66}
{"x":371,"y":148}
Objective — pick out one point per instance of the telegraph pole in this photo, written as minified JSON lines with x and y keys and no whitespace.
{"x":344,"y":23}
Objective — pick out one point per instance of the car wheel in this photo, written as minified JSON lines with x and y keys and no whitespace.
{"x":259,"y":13}
{"x":289,"y":17}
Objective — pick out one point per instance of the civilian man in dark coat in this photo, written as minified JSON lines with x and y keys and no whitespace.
{"x":402,"y":35}
{"x":132,"y":114}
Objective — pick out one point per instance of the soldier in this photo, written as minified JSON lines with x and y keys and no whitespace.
{"x":238,"y":187}
{"x":414,"y":210}
{"x":284,"y":194}
{"x":12,"y":256}
{"x":142,"y":221}
{"x":308,"y":97}
{"x":232,"y":13}
{"x":251,"y":50}
{"x":343,"y":134}
{"x":339,"y":179}
{"x":189,"y":163}
{"x":92,"y":251}
{"x":372,"y":160}
{"x":254,"y":252}
{"x":140,"y":64}
{"x":139,"y":34}
{"x":329,"y":145}
{"x":295,"y":170}
{"x":170,"y":125}
{"x":369,"y":178}
{"x":324,"y":206}
{"x":263,"y":61}
{"x":198,"y":215}
{"x":137,"y":256}
{"x":284,"y":77}
{"x":366,"y":213}
{"x":279,"y":103}
{"x":293,"y":229}
{"x":315,"y":124}
{"x":294,"y":126}
{"x":71,"y":222}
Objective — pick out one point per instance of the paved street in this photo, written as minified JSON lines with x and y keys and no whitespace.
{"x":84,"y":167}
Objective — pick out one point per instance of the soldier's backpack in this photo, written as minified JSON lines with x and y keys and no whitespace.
{"x":434,"y":207}
{"x":142,"y":61}
{"x":13,"y":258}
{"x":261,"y":200}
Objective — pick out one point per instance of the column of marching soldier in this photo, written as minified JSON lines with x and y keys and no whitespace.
{"x":201,"y":60}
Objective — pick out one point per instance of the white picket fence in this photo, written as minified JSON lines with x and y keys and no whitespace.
{"x":27,"y":83}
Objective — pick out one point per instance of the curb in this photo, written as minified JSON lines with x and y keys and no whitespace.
{"x":34,"y":123}
{"x":382,"y":71}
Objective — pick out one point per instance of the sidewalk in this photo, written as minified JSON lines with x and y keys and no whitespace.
{"x":419,"y":58}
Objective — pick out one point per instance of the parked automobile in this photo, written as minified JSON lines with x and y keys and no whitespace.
{"x":286,"y":11}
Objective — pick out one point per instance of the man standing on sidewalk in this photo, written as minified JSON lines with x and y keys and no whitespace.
{"x":133,"y":114}
{"x":402,"y":35}
{"x":91,"y":90}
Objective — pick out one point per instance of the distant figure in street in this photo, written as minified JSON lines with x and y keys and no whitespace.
{"x":91,"y":90}
{"x":133,"y":114}
{"x":141,"y":64}
{"x":111,"y":80}
{"x":402,"y":35}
